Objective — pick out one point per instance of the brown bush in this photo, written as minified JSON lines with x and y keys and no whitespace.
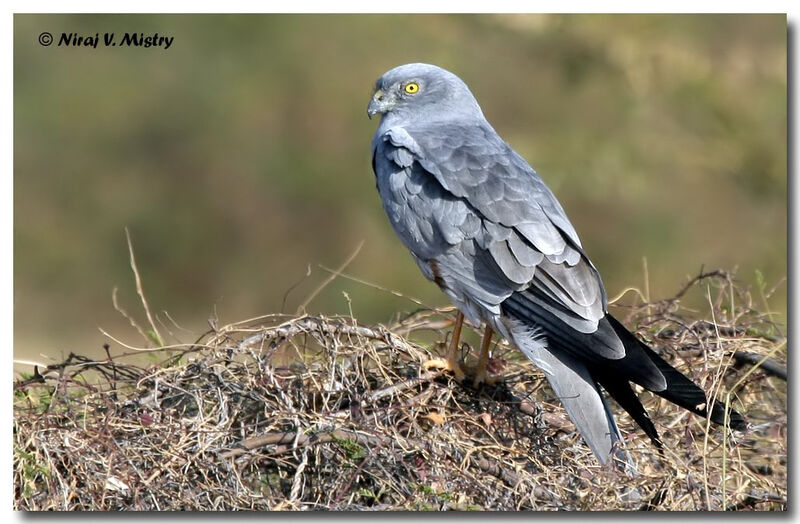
{"x":312,"y":412}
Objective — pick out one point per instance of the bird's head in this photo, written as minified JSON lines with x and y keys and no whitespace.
{"x":422,"y":91}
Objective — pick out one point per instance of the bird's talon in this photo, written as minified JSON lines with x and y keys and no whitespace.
{"x":447,"y":365}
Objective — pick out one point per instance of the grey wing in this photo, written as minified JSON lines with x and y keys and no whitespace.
{"x":525,"y":239}
{"x":439,"y":229}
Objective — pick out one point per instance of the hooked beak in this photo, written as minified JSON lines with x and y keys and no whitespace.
{"x":380,"y":103}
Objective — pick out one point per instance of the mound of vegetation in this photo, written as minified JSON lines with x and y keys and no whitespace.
{"x":323,"y":413}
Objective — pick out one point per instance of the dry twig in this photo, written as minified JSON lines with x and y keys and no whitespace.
{"x":311,"y":412}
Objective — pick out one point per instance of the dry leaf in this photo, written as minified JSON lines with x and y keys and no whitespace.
{"x":435,"y":418}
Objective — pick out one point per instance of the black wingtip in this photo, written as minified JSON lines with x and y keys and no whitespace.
{"x":685,"y":393}
{"x":680,"y":390}
{"x":624,"y":395}
{"x":735,"y":420}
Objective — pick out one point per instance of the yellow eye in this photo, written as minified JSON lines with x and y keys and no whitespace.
{"x":411,"y":88}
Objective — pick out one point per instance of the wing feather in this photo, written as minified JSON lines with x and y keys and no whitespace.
{"x":516,"y":272}
{"x":500,"y":229}
{"x":525,"y":254}
{"x":474,"y":164}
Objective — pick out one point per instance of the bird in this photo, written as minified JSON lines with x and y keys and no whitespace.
{"x":483,"y":226}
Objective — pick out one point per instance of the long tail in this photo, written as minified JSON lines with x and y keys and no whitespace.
{"x":575,"y":373}
{"x":578,"y":392}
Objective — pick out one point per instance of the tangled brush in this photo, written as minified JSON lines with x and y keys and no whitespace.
{"x":323,"y":413}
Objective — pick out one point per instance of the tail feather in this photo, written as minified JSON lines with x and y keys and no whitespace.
{"x":680,"y":389}
{"x":575,"y":372}
{"x":577,"y":390}
{"x":627,"y":399}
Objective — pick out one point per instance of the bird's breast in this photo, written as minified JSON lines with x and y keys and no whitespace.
{"x":428,"y":218}
{"x":408,"y":212}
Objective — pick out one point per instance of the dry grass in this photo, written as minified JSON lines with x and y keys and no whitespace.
{"x":309,"y":412}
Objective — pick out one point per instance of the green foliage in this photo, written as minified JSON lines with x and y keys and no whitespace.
{"x":430,"y":499}
{"x":352,"y":449}
{"x":39,"y":398}
{"x":153,"y":336}
{"x":371,"y":496}
{"x":760,"y":281}
{"x":32,"y":471}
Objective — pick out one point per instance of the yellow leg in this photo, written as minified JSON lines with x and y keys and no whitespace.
{"x":450,"y":362}
{"x":480,"y":370}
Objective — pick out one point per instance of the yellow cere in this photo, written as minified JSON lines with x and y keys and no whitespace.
{"x":411,"y":88}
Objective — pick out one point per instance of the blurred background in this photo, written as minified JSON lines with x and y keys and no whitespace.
{"x":239,"y":158}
